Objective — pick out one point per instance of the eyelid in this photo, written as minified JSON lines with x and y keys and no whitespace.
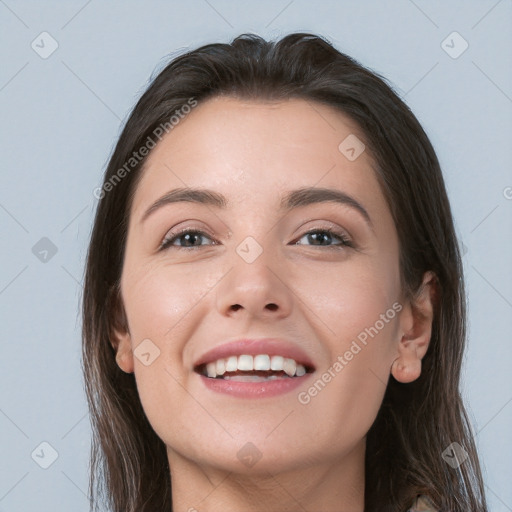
{"x":323,"y":225}
{"x":345,"y":239}
{"x":173,"y":234}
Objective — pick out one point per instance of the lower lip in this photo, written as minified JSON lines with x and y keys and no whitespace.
{"x":262,"y":389}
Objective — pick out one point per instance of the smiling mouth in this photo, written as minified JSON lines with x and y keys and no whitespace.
{"x":258,"y":368}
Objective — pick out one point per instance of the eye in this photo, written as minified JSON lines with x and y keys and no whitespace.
{"x":325,"y":238}
{"x":185,"y":239}
{"x":193,"y":238}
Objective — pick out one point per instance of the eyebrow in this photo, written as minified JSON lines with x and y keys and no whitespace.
{"x":189,"y":195}
{"x":293,"y":199}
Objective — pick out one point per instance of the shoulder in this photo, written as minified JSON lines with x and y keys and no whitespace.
{"x":422,"y":504}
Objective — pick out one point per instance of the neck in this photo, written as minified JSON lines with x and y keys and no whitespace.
{"x":330,"y":487}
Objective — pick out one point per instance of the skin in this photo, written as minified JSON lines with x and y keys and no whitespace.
{"x":253,"y":152}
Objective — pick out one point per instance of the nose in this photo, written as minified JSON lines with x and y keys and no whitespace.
{"x":255,"y":290}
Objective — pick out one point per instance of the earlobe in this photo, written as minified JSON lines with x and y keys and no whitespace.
{"x":416,"y":321}
{"x":124,"y":354}
{"x":407,"y":367}
{"x":120,"y":338}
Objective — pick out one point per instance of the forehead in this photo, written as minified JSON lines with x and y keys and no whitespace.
{"x":257,"y":149}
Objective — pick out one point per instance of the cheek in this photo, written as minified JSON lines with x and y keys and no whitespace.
{"x":165,"y":305}
{"x":162,"y":305}
{"x":159,"y":299}
{"x":352,"y":298}
{"x":360,"y":327}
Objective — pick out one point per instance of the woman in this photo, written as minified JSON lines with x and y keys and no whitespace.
{"x":273,"y":312}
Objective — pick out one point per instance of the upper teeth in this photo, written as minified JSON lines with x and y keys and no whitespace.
{"x":261,"y":362}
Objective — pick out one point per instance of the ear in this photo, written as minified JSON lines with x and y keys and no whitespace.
{"x":120,"y":338}
{"x":124,"y":354}
{"x":416,"y":323}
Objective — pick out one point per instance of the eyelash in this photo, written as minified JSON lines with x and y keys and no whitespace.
{"x":168,"y":241}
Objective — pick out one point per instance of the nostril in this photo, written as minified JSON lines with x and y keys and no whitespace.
{"x":272,"y":307}
{"x":235,"y":307}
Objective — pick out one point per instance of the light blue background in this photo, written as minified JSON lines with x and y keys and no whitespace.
{"x":62,"y":115}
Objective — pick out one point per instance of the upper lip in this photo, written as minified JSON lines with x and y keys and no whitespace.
{"x":253,"y":347}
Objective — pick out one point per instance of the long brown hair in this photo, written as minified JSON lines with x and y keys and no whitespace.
{"x":417,"y":421}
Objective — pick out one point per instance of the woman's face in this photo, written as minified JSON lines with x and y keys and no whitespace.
{"x":263,"y":267}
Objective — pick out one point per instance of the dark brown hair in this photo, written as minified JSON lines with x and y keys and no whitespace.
{"x":417,"y":421}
